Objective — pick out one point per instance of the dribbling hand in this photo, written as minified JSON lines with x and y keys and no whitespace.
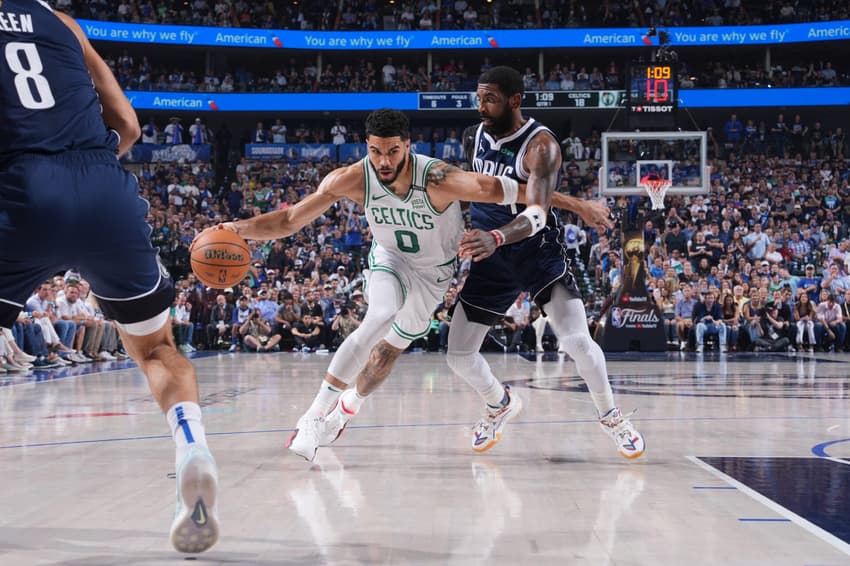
{"x":223,"y":226}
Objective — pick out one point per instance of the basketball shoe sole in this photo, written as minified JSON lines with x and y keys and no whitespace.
{"x":196,"y":527}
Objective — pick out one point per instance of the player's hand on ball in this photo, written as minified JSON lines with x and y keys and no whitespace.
{"x":477,"y":244}
{"x":596,"y":214}
{"x":223,"y":226}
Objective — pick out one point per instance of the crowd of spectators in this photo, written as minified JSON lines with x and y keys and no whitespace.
{"x":769,"y":246}
{"x":453,"y":74}
{"x":793,"y":75}
{"x":771,"y":239}
{"x":457,"y":14}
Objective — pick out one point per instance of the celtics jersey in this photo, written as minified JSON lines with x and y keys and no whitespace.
{"x":411,"y":227}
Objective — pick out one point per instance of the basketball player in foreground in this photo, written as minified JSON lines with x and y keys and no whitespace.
{"x":528,"y":152}
{"x":411,"y":204}
{"x":66,"y":201}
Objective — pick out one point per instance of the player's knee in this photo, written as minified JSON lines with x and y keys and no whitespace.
{"x":380,"y":316}
{"x":578,"y":345}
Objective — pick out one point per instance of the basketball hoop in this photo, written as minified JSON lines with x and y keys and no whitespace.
{"x":656,"y":188}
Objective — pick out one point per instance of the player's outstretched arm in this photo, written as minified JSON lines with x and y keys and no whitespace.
{"x":339,"y":183}
{"x":447,"y":183}
{"x":118,"y":113}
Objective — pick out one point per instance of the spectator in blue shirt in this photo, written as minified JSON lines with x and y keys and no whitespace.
{"x":733,"y":129}
{"x":810,"y":284}
{"x":685,"y":315}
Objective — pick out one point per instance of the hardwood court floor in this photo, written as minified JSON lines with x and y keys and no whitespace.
{"x":744,"y":465}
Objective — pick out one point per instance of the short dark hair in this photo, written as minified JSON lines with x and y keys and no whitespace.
{"x":507,"y":79}
{"x":388,"y":123}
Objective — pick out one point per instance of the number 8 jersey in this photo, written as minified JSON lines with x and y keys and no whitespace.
{"x":47,"y":101}
{"x":410,"y":227}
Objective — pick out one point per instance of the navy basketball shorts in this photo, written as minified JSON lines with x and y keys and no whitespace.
{"x":82,"y":210}
{"x":535,"y":265}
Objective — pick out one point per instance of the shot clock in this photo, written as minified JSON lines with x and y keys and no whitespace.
{"x":652,"y":95}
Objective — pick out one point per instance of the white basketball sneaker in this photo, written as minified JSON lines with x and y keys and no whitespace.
{"x":335,"y":423}
{"x":305,"y":438}
{"x":195,"y":527}
{"x":629,"y":441}
{"x":488,"y":431}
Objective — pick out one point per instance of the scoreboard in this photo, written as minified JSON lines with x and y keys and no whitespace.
{"x":653,"y":96}
{"x":543,"y":99}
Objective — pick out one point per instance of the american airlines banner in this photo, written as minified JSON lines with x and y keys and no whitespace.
{"x":776,"y":34}
{"x":194,"y":102}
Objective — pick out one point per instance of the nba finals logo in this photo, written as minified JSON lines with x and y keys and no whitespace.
{"x":617,"y":317}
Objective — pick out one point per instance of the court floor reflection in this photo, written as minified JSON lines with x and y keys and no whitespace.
{"x":86,"y":461}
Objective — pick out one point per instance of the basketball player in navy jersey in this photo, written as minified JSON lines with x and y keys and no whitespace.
{"x":66,"y":201}
{"x":508,"y":144}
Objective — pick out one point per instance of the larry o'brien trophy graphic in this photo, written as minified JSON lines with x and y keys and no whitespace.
{"x":633,"y":322}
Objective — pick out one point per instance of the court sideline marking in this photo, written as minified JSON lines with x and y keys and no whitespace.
{"x":775,"y":507}
{"x":411,"y":425}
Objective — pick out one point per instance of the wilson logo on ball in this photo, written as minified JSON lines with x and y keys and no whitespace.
{"x":223,"y":255}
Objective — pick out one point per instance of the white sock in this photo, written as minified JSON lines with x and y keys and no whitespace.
{"x":184,"y":418}
{"x":325,"y":399}
{"x":350,"y":401}
{"x":495,"y":395}
{"x":604,"y":402}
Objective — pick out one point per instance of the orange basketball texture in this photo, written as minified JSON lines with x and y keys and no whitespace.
{"x":220,"y":258}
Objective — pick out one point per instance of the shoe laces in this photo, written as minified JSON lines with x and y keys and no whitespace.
{"x":617,"y":420}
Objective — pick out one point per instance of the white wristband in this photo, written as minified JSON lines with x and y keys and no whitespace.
{"x":510,"y":190}
{"x":536,"y":215}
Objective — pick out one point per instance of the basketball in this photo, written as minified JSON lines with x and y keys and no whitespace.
{"x":220,"y":258}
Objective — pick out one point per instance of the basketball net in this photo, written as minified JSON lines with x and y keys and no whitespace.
{"x":656,"y":189}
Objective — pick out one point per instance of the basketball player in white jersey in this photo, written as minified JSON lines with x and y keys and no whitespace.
{"x":411,"y":204}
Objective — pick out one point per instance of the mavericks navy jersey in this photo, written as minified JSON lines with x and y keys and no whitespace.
{"x":503,"y":157}
{"x":47,"y":101}
{"x":535,"y":264}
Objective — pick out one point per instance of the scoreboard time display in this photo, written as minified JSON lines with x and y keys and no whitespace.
{"x":652,"y":97}
{"x":544,"y":99}
{"x":652,"y":88}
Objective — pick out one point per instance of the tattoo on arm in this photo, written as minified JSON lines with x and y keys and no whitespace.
{"x":438,"y":173}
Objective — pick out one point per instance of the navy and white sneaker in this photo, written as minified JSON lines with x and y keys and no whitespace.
{"x":628,"y":440}
{"x":488,"y":431}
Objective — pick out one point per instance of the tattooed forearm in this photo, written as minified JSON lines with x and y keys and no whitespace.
{"x":381,"y":361}
{"x":438,"y":173}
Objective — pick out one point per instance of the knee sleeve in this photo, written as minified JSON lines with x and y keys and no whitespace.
{"x":569,"y":319}
{"x":354,"y":351}
{"x":465,"y":338}
{"x":578,"y":345}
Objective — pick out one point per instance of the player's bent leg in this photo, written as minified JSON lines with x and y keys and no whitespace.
{"x":382,"y":358}
{"x":174,"y":385}
{"x":569,"y":319}
{"x":315,"y":431}
{"x":464,"y":359}
{"x":350,"y":358}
